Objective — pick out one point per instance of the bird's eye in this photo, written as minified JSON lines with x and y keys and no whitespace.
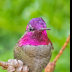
{"x":30,"y":29}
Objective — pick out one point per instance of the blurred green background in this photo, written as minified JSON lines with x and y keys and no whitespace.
{"x":15,"y":15}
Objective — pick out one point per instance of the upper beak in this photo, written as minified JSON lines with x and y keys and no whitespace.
{"x":45,"y":29}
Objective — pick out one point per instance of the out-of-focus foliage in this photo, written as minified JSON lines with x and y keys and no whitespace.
{"x":15,"y":15}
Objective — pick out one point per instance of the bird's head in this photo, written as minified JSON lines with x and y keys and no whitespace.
{"x":35,"y":33}
{"x":37,"y":24}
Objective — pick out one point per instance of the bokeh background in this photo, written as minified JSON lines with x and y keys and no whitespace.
{"x":15,"y":15}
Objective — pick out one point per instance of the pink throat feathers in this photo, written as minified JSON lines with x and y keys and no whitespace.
{"x":34,"y":38}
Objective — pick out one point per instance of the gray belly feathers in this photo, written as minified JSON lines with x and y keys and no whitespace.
{"x":35,"y":57}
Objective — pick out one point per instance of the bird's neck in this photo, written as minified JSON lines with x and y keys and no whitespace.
{"x":34,"y":38}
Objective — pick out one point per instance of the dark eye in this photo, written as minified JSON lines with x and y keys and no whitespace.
{"x":30,"y":29}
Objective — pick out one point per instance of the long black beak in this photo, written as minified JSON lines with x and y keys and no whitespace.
{"x":45,"y":29}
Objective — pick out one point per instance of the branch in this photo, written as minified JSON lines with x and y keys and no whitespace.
{"x":51,"y":66}
{"x":14,"y":65}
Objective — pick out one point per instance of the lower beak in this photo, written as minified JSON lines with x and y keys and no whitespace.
{"x":45,"y":29}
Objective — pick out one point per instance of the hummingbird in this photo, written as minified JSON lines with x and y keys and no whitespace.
{"x":34,"y":47}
